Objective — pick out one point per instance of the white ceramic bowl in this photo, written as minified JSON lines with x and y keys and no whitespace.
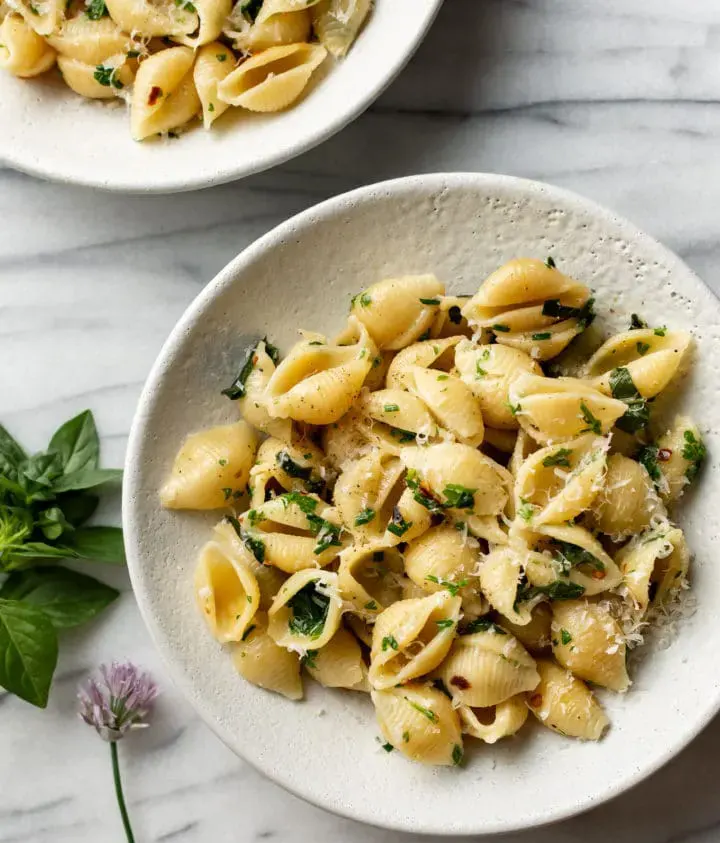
{"x":302,"y":274}
{"x":49,"y":131}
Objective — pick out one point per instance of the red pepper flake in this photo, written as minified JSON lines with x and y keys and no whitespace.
{"x":535,"y":700}
{"x":598,"y":575}
{"x":255,"y":359}
{"x":155,"y":94}
{"x":460,"y":682}
{"x":664,"y":454}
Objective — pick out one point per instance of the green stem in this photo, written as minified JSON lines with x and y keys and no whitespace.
{"x":119,"y":793}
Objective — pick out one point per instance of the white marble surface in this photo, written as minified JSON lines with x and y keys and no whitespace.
{"x":617,"y":100}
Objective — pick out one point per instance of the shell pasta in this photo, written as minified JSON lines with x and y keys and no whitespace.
{"x":177,"y":62}
{"x":443,"y":521}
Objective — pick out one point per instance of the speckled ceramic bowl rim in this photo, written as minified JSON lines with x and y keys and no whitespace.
{"x":485,"y":183}
{"x":187,"y":182}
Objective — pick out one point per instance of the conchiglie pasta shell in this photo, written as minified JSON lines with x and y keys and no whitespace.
{"x":80,"y":77}
{"x":91,"y":41}
{"x":337,"y":23}
{"x":392,"y":311}
{"x":502,"y":440}
{"x":661,"y":558}
{"x":281,"y":614}
{"x":271,"y":8}
{"x":551,"y":409}
{"x":267,"y":474}
{"x":339,"y":663}
{"x":399,"y":410}
{"x":499,"y":721}
{"x":346,"y":440}
{"x":627,"y":500}
{"x":367,"y":484}
{"x":170,"y":73}
{"x":370,"y":577}
{"x":445,"y":554}
{"x":261,"y":661}
{"x":146,"y":19}
{"x":208,"y":71}
{"x":227,"y":593}
{"x":291,"y":553}
{"x":288,"y":28}
{"x":565,"y":704}
{"x":42,"y":16}
{"x":650,"y":371}
{"x":415,"y":517}
{"x":486,"y":668}
{"x":269,"y":579}
{"x":489,"y":371}
{"x":22,"y":51}
{"x":535,"y":636}
{"x":673,"y":466}
{"x":212,"y":15}
{"x":437,"y":353}
{"x":547,"y":492}
{"x":545,"y":344}
{"x":272,"y":79}
{"x":452,"y":403}
{"x":210,"y":467}
{"x":420,"y":722}
{"x":408,"y":641}
{"x":588,"y":641}
{"x":500,"y":573}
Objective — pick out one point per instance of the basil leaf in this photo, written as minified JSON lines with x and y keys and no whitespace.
{"x":66,"y":597}
{"x":53,"y":523}
{"x":28,"y":651}
{"x":101,"y":544}
{"x":77,"y":444}
{"x":39,"y":470}
{"x":623,"y":388}
{"x":247,"y":362}
{"x":10,"y":448}
{"x":30,"y":551}
{"x":77,"y":507}
{"x":309,"y":609}
{"x":87,"y":479}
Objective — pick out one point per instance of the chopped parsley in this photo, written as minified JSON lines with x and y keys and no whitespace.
{"x":391,"y":408}
{"x":247,"y":362}
{"x":371,"y":606}
{"x":558,"y":590}
{"x":593,"y":424}
{"x":443,"y":377}
{"x":221,"y":56}
{"x":313,"y":483}
{"x":660,"y":332}
{"x":364,"y":299}
{"x":211,"y":107}
{"x":364,"y":517}
{"x":514,"y":408}
{"x":304,"y":502}
{"x":459,"y":497}
{"x":255,"y":545}
{"x":479,"y":371}
{"x":503,"y":329}
{"x":96,"y":9}
{"x":526,"y":510}
{"x":309,"y":609}
{"x":445,"y":623}
{"x":648,"y":456}
{"x":584,"y":314}
{"x":550,"y":263}
{"x":398,"y":526}
{"x":430,"y":301}
{"x":545,"y":335}
{"x":403,"y":436}
{"x":623,"y":388}
{"x":560,"y":457}
{"x":642,"y":348}
{"x":457,"y":755}
{"x":308,"y":659}
{"x":452,"y":587}
{"x":421,"y":495}
{"x":389,"y":642}
{"x":455,"y":315}
{"x":565,"y":637}
{"x":636,"y":322}
{"x":483,"y":625}
{"x":571,"y":556}
{"x":694,"y":451}
{"x":388,"y":747}
{"x":222,"y":462}
{"x":327,"y":533}
{"x":426,"y":712}
{"x":107,"y":77}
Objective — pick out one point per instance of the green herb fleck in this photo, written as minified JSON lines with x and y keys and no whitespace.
{"x":514,"y":408}
{"x":406,"y":737}
{"x":371,"y":606}
{"x":426,"y":712}
{"x":623,"y":388}
{"x":389,"y":642}
{"x":308,"y":658}
{"x":388,"y":747}
{"x":545,"y":335}
{"x":457,"y":753}
{"x":106,"y":76}
{"x":391,"y":408}
{"x":364,"y":517}
{"x":445,"y":623}
{"x":636,"y":322}
{"x":305,"y":503}
{"x":558,"y":590}
{"x":565,"y":636}
{"x":571,"y":556}
{"x":526,"y":510}
{"x":327,"y":533}
{"x":593,"y":424}
{"x":309,"y":609}
{"x":221,"y":56}
{"x":642,"y":348}
{"x":248,"y":631}
{"x":660,"y":332}
{"x":459,"y":497}
{"x":503,"y":329}
{"x":430,"y":301}
{"x":550,"y":262}
{"x":694,"y":451}
{"x":648,"y":456}
{"x":398,"y":526}
{"x":96,"y":9}
{"x":403,"y":436}
{"x":483,"y":625}
{"x":560,"y":457}
{"x":452,"y":587}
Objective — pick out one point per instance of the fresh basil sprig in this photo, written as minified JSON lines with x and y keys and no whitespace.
{"x":45,"y":502}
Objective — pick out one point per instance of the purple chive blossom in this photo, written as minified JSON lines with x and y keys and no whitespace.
{"x":118,"y":702}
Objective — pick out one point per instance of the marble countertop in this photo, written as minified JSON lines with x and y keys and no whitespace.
{"x":618,"y":100}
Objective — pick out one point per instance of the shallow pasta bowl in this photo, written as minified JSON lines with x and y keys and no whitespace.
{"x":49,"y":131}
{"x":302,"y":274}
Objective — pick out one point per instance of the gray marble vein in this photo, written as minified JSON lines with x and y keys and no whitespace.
{"x":618,"y":100}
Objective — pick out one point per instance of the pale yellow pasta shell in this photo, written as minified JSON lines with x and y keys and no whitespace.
{"x":91,"y":41}
{"x":83,"y":78}
{"x":496,"y":722}
{"x":147,"y":19}
{"x":627,"y":501}
{"x":502,"y":440}
{"x":339,"y":664}
{"x":285,"y":625}
{"x":288,"y":28}
{"x":556,"y":484}
{"x":565,"y":704}
{"x":535,"y":635}
{"x":164,"y":95}
{"x":420,"y":722}
{"x":676,"y":470}
{"x":451,"y":402}
{"x":370,"y":578}
{"x":272,"y":79}
{"x":589,"y":642}
{"x":500,"y":573}
{"x":212,"y":15}
{"x":22,"y":51}
{"x":392,"y":309}
{"x":226,"y":592}
{"x":487,"y":668}
{"x":261,"y":661}
{"x":208,"y":71}
{"x":411,"y":638}
{"x":211,"y":468}
{"x":42,"y":16}
{"x":362,"y":492}
{"x":489,"y":371}
{"x":268,"y":476}
{"x":400,"y":410}
{"x":409,"y":519}
{"x":557,"y":409}
{"x":271,"y":8}
{"x":438,"y":354}
{"x":346,"y":440}
{"x":337,"y":23}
